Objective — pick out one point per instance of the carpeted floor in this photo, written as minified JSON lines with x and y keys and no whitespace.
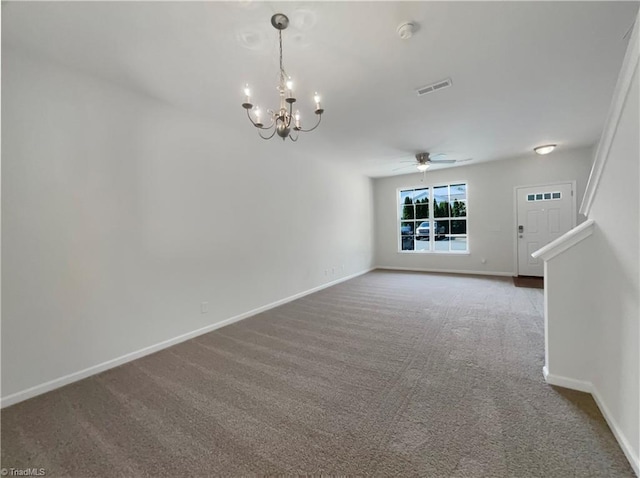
{"x":389,"y":374}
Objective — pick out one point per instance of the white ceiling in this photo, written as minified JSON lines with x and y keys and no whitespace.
{"x":524,"y":73}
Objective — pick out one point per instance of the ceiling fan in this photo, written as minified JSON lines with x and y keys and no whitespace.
{"x":424,"y":160}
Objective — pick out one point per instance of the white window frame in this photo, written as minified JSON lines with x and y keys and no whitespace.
{"x":432,"y":241}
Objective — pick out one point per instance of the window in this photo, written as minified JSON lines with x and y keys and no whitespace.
{"x":544,"y":196}
{"x":433,"y":219}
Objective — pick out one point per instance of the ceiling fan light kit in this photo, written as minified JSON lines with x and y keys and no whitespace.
{"x":283,"y":120}
{"x":545,"y":149}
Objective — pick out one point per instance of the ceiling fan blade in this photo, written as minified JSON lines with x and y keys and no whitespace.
{"x":402,"y":167}
{"x":437,"y":156}
{"x":443,"y":161}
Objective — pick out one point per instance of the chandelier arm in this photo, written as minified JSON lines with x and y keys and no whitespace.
{"x":292,"y":138}
{"x":317,"y":124}
{"x":267,"y":137}
{"x":256,"y":124}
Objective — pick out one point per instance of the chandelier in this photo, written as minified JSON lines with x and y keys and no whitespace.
{"x":283,"y":121}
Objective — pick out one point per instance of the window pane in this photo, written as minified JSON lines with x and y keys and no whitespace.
{"x":538,"y":197}
{"x":423,"y":230}
{"x":442,"y":244}
{"x":406,"y":194}
{"x":458,"y":226}
{"x":547,"y":195}
{"x":531,"y":197}
{"x":458,"y":243}
{"x":421,"y":200}
{"x":441,"y":201}
{"x":420,"y":194}
{"x":458,"y":191}
{"x":458,"y":208}
{"x":407,"y":243}
{"x":422,"y":210}
{"x":422,"y":245}
{"x":442,"y":229}
{"x":407,"y":210}
{"x":556,"y":195}
{"x":406,"y":228}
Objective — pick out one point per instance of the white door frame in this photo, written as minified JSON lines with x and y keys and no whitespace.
{"x":574,"y":215}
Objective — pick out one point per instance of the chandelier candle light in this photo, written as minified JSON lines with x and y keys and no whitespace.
{"x":283,"y":120}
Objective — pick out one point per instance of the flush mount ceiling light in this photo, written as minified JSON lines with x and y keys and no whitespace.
{"x":422,"y":167}
{"x":283,"y":120}
{"x":546,"y":149}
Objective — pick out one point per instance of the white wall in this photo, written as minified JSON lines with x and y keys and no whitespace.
{"x":491,"y":209}
{"x":120,"y":215}
{"x":616,"y":257}
{"x":593,"y":288}
{"x":569,"y":320}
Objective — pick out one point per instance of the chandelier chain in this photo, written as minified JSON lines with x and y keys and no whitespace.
{"x":283,"y":76}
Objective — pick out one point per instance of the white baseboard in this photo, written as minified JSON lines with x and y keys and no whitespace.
{"x":87,"y":372}
{"x":448,"y":271}
{"x":584,"y":386}
{"x":628,"y":450}
{"x":565,"y":382}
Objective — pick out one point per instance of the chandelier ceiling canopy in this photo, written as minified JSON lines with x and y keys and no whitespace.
{"x":282,"y":121}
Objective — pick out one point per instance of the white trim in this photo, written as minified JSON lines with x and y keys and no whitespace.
{"x":109,"y":364}
{"x":574,"y":215}
{"x":566,"y":382}
{"x":623,"y":85}
{"x":446,"y":271}
{"x":588,"y":387}
{"x":566,"y":241}
{"x":628,"y":450}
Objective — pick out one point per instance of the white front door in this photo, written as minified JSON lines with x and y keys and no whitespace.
{"x":544,"y":214}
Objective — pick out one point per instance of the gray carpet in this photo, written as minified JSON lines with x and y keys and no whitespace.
{"x":389,"y":374}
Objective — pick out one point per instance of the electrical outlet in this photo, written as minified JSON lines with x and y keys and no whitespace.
{"x":204,"y":307}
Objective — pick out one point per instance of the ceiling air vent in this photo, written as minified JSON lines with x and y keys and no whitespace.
{"x":434,"y":87}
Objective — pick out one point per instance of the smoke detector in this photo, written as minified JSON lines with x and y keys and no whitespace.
{"x":406,"y":30}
